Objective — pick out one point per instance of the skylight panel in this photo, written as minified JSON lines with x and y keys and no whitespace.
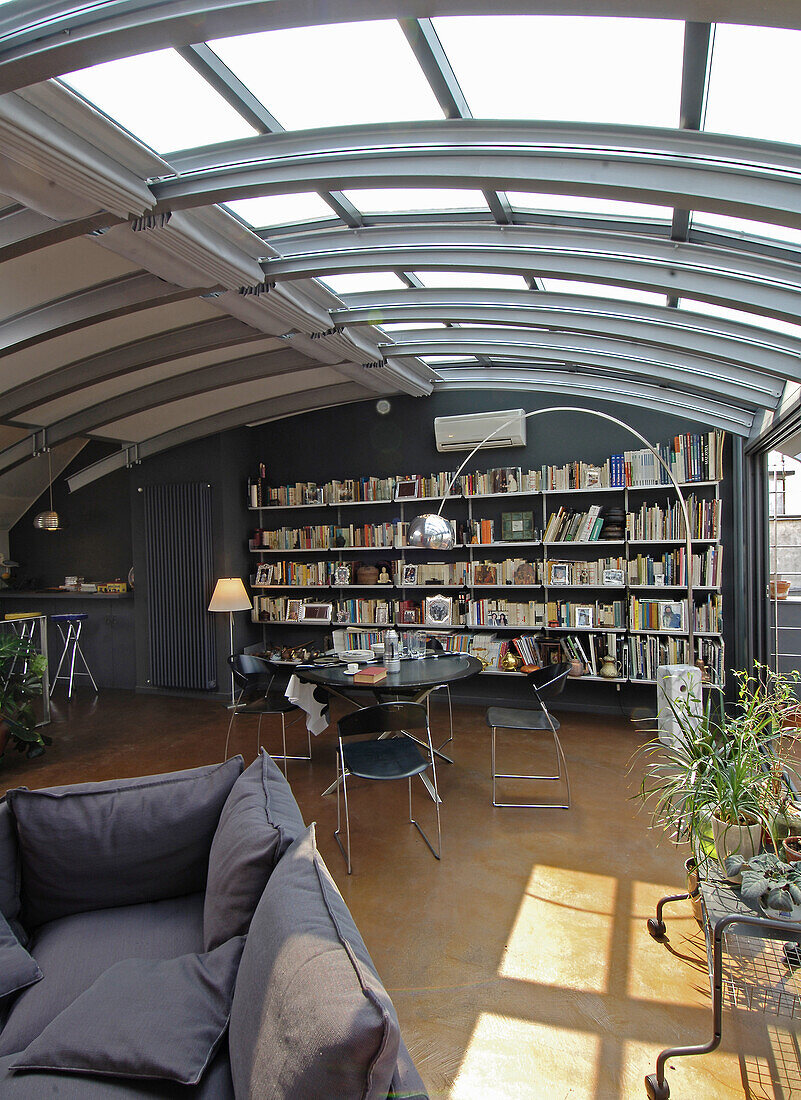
{"x":567,"y":67}
{"x":160,"y":99}
{"x":271,"y":210}
{"x":433,"y":360}
{"x":580,"y":204}
{"x":408,"y":326}
{"x":400,"y":200}
{"x":478,"y":280}
{"x":766,"y":230}
{"x":743,"y":316}
{"x":755,"y":83}
{"x":335,"y":75}
{"x":603,"y":290}
{"x":356,"y":282}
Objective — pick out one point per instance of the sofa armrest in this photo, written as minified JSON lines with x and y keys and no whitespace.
{"x":407,"y":1084}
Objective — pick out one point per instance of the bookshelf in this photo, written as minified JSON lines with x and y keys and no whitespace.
{"x":557,"y":578}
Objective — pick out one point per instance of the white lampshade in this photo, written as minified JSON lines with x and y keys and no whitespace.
{"x":230,"y":595}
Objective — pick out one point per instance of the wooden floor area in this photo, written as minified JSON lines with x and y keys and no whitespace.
{"x":520,"y":964}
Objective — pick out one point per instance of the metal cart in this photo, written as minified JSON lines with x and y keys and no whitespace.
{"x":754,"y":963}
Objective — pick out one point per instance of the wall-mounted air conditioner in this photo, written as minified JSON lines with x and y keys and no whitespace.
{"x":462,"y":433}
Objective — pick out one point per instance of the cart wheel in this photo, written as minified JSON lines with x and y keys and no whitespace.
{"x":654,"y":1090}
{"x":657,"y":929}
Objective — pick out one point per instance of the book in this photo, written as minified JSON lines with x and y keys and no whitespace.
{"x":371,"y":674}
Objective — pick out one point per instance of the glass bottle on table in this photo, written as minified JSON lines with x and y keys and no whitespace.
{"x":391,"y":651}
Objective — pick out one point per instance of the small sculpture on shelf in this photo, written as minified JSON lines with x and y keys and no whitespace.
{"x":383,"y":576}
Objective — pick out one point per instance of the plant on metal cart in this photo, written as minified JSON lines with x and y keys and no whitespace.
{"x":22,"y":670}
{"x":725,"y":780}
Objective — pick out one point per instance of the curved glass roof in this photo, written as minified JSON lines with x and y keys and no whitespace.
{"x":629,"y":183}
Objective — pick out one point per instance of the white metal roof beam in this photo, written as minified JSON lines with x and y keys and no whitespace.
{"x":749,"y":179}
{"x":272,"y":409}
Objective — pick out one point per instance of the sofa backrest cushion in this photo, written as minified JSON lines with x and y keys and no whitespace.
{"x":119,"y":842}
{"x":17,"y":968}
{"x":259,"y":821}
{"x":310,"y":1016}
{"x":10,"y":903}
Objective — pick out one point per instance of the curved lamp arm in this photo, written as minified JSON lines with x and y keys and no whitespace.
{"x":660,"y":460}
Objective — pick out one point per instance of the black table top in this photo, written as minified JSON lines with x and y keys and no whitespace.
{"x":414,"y":675}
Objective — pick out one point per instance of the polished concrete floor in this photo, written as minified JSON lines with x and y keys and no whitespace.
{"x":520,"y":964}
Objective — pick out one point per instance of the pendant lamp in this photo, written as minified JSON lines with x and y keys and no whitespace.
{"x":48,"y":521}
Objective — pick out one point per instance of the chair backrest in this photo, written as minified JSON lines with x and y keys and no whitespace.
{"x":384,"y":718}
{"x":549,"y":681}
{"x":250,"y":671}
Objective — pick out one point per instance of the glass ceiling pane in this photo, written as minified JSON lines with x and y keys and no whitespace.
{"x":480,"y":280}
{"x":772,"y":323}
{"x":357,"y":281}
{"x":602,"y":290}
{"x":570,"y":68}
{"x":400,"y":200}
{"x":702,"y":219}
{"x":270,"y":210}
{"x":578,"y":204}
{"x":434,"y":359}
{"x":160,"y":99}
{"x":335,"y":75}
{"x":755,"y":83}
{"x":407,"y":326}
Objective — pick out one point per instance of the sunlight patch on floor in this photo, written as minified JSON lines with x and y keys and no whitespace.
{"x":660,"y":973}
{"x":562,"y":932}
{"x":513,"y":1059}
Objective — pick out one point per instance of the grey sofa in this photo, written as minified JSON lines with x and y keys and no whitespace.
{"x":179,"y":935}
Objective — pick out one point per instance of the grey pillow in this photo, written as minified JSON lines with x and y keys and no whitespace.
{"x":17,"y":968}
{"x":119,"y":842}
{"x":259,"y":821}
{"x":147,"y":1018}
{"x":310,"y":1017}
{"x":9,"y":871}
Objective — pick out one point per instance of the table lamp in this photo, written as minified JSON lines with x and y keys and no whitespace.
{"x":230,"y":595}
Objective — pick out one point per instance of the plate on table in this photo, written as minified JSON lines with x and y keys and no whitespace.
{"x":359,"y":656}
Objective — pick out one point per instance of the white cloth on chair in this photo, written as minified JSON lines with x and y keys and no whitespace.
{"x":311,"y":698}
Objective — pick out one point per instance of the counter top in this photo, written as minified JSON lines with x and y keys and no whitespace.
{"x":61,"y":594}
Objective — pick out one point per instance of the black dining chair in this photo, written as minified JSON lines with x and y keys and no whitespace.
{"x":385,"y":750}
{"x":545,"y":683}
{"x":436,"y":646}
{"x":261,"y":693}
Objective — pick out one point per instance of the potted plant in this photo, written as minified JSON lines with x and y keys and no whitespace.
{"x":724,"y":784}
{"x":22,"y":669}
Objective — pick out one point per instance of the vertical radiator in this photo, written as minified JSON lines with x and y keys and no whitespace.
{"x":179,"y":585}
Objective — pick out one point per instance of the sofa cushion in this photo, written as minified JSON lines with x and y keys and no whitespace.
{"x":310,"y":1016}
{"x":73,"y":951}
{"x":75,"y":840}
{"x":259,"y":821}
{"x":215,"y":1084}
{"x":407,"y":1084}
{"x":144,"y":1018}
{"x":17,"y":968}
{"x":9,"y":871}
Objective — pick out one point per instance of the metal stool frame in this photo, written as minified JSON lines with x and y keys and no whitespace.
{"x":72,"y":644}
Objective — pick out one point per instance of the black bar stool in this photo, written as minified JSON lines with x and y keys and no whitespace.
{"x":69,"y":627}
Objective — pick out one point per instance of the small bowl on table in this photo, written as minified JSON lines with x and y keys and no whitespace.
{"x":378,"y":649}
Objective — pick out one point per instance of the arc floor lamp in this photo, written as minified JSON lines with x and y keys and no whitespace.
{"x":432,"y":531}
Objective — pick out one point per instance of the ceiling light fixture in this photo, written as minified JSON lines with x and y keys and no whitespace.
{"x":48,"y":521}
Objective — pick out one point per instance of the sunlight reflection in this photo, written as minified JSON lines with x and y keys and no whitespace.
{"x":655,"y":973}
{"x":562,"y":932}
{"x":508,"y":1059}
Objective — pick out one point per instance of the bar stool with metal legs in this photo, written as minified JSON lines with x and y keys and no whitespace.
{"x":69,"y":627}
{"x":23,"y":623}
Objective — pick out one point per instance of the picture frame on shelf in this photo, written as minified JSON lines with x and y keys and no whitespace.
{"x":342,"y":615}
{"x":316,"y":613}
{"x":592,"y":477}
{"x":560,"y":573}
{"x":614,"y":577}
{"x":671,"y":615}
{"x":410,"y":574}
{"x":485,"y":572}
{"x":264,"y":572}
{"x":525,"y":573}
{"x":497,"y":618}
{"x":407,"y":489}
{"x":517,"y":526}
{"x":293,"y":610}
{"x":438,"y":610}
{"x":585,"y":616}
{"x":312,"y":494}
{"x":341,"y":574}
{"x":382,"y":614}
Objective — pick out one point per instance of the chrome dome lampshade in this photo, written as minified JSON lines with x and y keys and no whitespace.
{"x":47,"y":521}
{"x":430,"y":532}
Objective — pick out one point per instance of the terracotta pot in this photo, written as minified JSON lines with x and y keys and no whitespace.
{"x":791,"y":849}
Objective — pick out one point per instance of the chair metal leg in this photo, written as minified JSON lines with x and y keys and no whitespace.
{"x":561,"y":773}
{"x":342,"y":783}
{"x":450,"y":715}
{"x":436,"y":852}
{"x":289,"y":756}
